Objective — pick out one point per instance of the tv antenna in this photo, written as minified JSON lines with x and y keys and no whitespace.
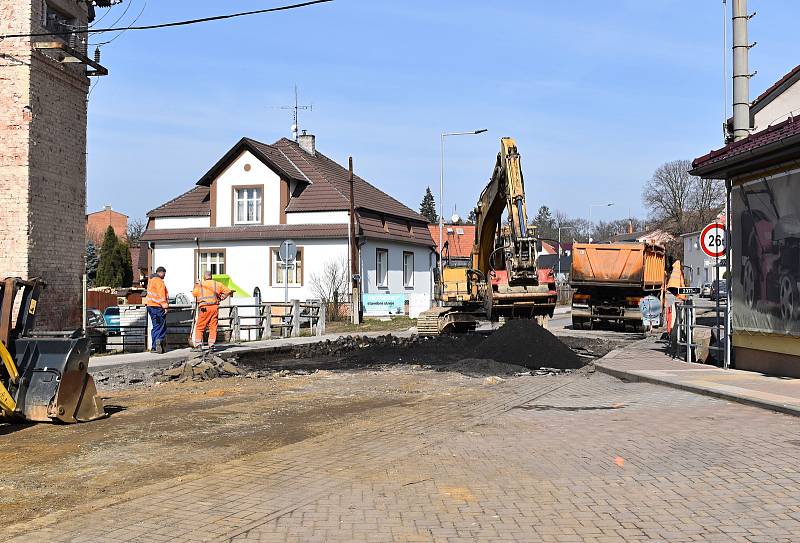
{"x":296,"y":113}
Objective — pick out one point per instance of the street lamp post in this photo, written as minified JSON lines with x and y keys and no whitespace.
{"x":590,"y":214}
{"x":441,"y":186}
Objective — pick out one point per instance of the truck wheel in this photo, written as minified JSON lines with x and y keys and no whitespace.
{"x":789,"y":298}
{"x":577,"y":323}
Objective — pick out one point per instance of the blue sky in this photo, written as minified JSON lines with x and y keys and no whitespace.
{"x":596,"y":98}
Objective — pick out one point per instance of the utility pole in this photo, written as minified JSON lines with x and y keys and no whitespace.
{"x":355,"y":297}
{"x":741,"y":71}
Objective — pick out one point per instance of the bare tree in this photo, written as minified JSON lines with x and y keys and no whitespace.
{"x":680,"y":202}
{"x":136,"y":228}
{"x":330,"y":286}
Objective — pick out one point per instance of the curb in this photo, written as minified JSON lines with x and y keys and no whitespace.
{"x":696,"y":389}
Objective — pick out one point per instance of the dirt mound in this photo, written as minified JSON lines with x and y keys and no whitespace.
{"x":522,"y":342}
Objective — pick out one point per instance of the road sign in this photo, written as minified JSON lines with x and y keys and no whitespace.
{"x":712,"y":240}
{"x":287,"y":251}
{"x":689,"y":290}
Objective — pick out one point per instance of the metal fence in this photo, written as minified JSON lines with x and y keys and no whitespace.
{"x":688,"y":344}
{"x":237,"y":323}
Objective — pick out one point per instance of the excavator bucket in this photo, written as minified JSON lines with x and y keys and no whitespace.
{"x":54,"y":382}
{"x":41,"y":378}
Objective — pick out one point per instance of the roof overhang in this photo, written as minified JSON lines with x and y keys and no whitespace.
{"x":782,"y":151}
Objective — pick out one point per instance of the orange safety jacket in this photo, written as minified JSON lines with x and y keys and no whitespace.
{"x":210,"y":292}
{"x":157,"y":293}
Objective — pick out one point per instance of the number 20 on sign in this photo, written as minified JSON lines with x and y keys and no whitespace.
{"x":712,"y":240}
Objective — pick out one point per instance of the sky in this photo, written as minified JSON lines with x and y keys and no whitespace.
{"x":596,"y":98}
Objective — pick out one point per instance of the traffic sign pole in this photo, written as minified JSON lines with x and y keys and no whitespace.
{"x":713,"y":242}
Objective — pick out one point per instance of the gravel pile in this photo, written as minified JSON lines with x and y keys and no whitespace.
{"x":200,"y":368}
{"x":522,"y":342}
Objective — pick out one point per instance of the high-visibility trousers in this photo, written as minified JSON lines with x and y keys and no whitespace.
{"x":207,"y":317}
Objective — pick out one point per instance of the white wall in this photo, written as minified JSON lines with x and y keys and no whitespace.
{"x":422,"y":272}
{"x":259,"y":174}
{"x":779,"y":109}
{"x":247,"y":262}
{"x":182,"y":222}
{"x":318,"y":217}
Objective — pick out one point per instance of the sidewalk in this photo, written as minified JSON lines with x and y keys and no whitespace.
{"x":645,"y":361}
{"x":226,"y":349}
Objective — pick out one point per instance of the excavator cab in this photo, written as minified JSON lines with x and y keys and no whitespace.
{"x":42,"y":379}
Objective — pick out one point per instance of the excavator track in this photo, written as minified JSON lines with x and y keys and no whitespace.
{"x":428,"y":321}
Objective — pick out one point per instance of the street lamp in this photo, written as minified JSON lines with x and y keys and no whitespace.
{"x":590,"y":214}
{"x":441,"y":185}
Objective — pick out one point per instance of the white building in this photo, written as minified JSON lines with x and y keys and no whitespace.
{"x":702,"y":266}
{"x":776,"y":104}
{"x":257,"y":195}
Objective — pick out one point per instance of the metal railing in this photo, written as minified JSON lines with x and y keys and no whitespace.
{"x":683,"y":340}
{"x":237,"y":323}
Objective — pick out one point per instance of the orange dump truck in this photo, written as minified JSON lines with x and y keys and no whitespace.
{"x":610,"y":279}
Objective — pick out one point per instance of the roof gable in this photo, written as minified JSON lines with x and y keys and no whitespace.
{"x":780,"y":86}
{"x":271,"y":157}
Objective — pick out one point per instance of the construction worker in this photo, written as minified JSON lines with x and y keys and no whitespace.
{"x":157,"y":304}
{"x":208,"y":294}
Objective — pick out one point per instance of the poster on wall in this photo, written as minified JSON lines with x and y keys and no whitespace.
{"x":766,"y":255}
{"x":384,"y":305}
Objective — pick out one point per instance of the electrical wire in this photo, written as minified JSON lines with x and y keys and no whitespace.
{"x":135,"y":20}
{"x":130,"y":4}
{"x":169,"y":25}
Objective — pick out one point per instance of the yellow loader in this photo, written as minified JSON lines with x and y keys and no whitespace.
{"x":42,"y":379}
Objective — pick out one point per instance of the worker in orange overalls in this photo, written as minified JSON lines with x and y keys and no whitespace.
{"x":208,"y":294}
{"x":157,"y":304}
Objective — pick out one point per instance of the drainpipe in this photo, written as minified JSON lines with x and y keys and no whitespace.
{"x":741,"y":71}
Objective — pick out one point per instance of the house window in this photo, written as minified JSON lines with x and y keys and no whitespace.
{"x":408,"y":269}
{"x":247,"y":205}
{"x":382,"y":267}
{"x":210,"y":260}
{"x":278,"y":272}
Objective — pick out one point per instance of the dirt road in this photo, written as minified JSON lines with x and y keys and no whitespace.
{"x":159,"y":431}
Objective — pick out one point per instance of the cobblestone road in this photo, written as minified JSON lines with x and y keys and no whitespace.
{"x":532,"y":459}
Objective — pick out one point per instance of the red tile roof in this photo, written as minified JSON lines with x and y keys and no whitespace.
{"x":772,"y":135}
{"x":324,"y":184}
{"x":192,"y":203}
{"x":459,"y":245}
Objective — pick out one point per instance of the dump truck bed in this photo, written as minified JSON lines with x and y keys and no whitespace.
{"x":632,"y":265}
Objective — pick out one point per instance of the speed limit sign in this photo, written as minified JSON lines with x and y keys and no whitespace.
{"x":712,"y":240}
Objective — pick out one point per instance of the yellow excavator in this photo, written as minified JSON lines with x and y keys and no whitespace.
{"x":42,"y":379}
{"x":502,"y":278}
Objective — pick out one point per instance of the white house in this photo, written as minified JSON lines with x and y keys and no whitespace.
{"x":257,"y":195}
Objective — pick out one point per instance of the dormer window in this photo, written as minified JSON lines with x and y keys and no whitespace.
{"x":247,"y":205}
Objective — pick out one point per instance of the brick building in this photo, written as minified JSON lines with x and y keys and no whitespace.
{"x":43,"y":92}
{"x":98,"y":222}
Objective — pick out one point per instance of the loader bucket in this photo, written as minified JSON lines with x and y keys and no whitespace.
{"x":54,"y":383}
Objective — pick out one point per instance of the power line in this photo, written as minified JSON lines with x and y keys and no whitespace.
{"x":168,"y":25}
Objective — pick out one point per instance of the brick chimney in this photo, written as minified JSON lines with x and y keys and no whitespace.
{"x":307,"y":143}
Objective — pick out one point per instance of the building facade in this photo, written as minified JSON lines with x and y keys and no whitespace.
{"x":258,"y":195}
{"x":43,"y":89}
{"x":98,"y":222}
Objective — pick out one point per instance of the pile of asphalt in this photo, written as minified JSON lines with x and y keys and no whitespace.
{"x":522,"y":342}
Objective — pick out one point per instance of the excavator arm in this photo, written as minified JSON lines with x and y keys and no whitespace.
{"x":505,"y":192}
